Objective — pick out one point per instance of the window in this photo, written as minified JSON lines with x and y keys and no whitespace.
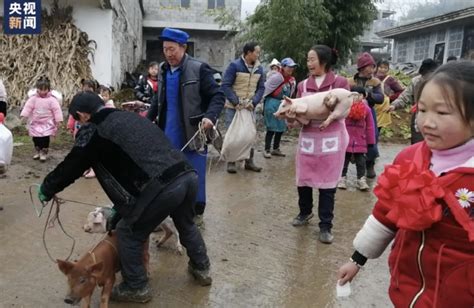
{"x":175,"y":3}
{"x":455,"y":42}
{"x":422,"y":47}
{"x":402,"y":51}
{"x":440,"y":36}
{"x":215,"y":4}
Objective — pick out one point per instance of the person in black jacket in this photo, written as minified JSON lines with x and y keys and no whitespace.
{"x":188,"y":97}
{"x":145,"y":178}
{"x":147,"y":86}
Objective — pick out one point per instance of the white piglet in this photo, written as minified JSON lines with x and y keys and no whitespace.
{"x":97,"y":223}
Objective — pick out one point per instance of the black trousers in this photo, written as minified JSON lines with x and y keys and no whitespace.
{"x":325,"y":205}
{"x":276,"y":141}
{"x":199,"y":208}
{"x":3,"y":108}
{"x":176,"y":200}
{"x":359,"y":159}
{"x":41,"y":142}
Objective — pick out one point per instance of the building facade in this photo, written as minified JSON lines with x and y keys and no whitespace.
{"x":370,"y":40}
{"x":439,"y":37}
{"x":126,"y":32}
{"x":208,"y":42}
{"x":116,"y":27}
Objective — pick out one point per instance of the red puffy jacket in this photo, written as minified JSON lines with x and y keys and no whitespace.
{"x":432,"y":258}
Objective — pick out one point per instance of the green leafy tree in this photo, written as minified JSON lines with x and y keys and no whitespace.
{"x":289,"y":28}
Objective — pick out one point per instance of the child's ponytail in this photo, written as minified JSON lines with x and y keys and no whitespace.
{"x":43,"y":83}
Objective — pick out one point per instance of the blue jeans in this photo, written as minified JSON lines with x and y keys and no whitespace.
{"x":229,"y":116}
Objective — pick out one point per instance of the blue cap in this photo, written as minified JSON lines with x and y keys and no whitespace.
{"x":174,"y":35}
{"x":288,"y":62}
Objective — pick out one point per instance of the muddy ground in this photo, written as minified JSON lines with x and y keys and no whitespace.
{"x":258,"y":258}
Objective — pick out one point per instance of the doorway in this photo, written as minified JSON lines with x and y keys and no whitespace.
{"x":439,"y":53}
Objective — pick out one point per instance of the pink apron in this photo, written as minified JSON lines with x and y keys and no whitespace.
{"x":320,"y":154}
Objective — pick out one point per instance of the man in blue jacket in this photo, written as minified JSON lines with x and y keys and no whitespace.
{"x":243,"y":84}
{"x":188,"y":96}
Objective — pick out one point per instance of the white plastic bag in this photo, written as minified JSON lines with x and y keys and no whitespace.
{"x":240,"y":137}
{"x":6,"y":145}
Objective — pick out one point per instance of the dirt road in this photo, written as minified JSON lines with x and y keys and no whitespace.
{"x":258,"y":258}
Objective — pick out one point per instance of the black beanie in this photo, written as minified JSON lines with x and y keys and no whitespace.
{"x":427,"y":66}
{"x":86,"y":101}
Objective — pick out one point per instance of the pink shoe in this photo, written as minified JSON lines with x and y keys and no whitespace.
{"x":90,"y":174}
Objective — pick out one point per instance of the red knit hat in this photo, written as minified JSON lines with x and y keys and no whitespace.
{"x":364,"y":60}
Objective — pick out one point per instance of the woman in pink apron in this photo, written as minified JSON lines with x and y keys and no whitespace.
{"x":320,"y":154}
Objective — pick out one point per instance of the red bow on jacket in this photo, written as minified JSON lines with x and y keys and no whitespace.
{"x":411,"y":197}
{"x":358,"y":111}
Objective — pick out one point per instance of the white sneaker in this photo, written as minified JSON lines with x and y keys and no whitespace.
{"x":43,"y":156}
{"x":36,"y":156}
{"x":267,"y":154}
{"x":362,"y":184}
{"x":342,"y":183}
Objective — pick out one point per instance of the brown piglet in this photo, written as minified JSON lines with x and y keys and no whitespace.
{"x":95,"y":268}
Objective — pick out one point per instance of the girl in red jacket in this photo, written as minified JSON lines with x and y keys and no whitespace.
{"x":426,"y":202}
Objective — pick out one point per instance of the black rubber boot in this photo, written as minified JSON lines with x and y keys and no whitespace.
{"x":231,"y":167}
{"x":249,"y":164}
{"x":202,"y":276}
{"x":121,"y":293}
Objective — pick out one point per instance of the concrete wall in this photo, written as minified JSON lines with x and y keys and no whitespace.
{"x":117,"y":32}
{"x":126,"y":39}
{"x":171,"y":10}
{"x":210,"y":46}
{"x":97,"y":23}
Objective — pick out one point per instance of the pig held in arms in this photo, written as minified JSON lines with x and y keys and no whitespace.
{"x":323,"y":106}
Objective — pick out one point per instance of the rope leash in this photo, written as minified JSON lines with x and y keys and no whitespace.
{"x":50,"y":222}
{"x":214,"y":135}
{"x":56,"y":202}
{"x":203,"y":138}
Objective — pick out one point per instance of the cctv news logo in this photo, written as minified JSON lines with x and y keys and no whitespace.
{"x":22,"y":17}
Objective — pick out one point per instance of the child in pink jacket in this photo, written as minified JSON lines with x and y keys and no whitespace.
{"x":44,"y":117}
{"x":361,"y":130}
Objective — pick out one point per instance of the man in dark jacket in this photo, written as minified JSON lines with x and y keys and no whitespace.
{"x":145,"y":178}
{"x":188,"y":97}
{"x":243,"y":84}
